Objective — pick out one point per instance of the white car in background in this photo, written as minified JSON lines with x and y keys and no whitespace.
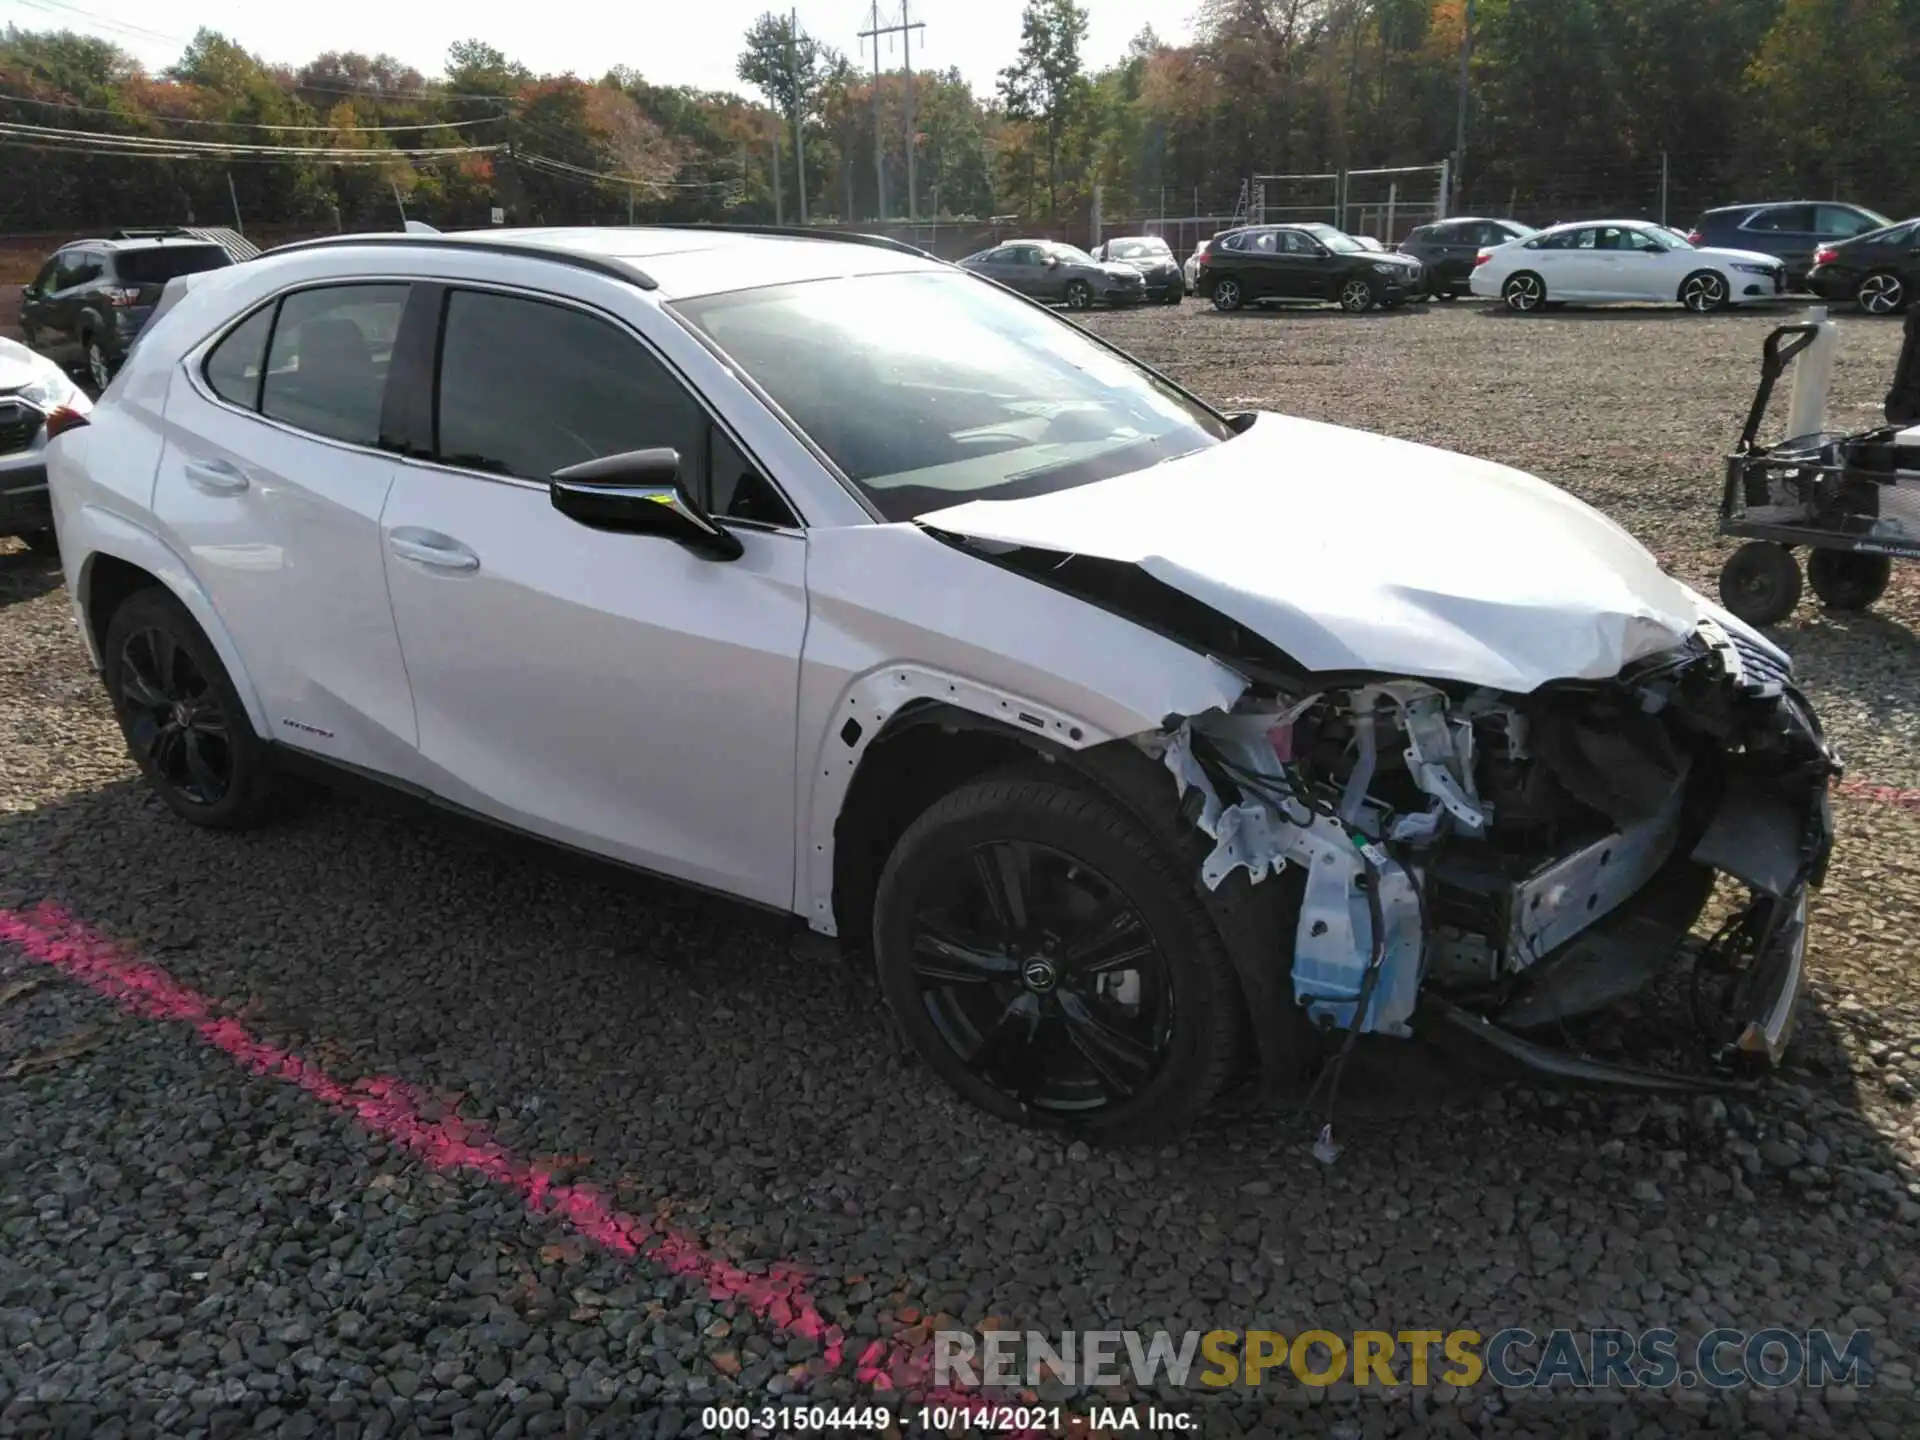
{"x":37,"y":400}
{"x":1139,"y":744}
{"x":1596,"y":261}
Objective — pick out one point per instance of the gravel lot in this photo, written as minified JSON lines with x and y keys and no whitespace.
{"x":200,"y":1233}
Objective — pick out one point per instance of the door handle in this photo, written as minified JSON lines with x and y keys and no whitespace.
{"x":217,"y":477}
{"x":430,"y":548}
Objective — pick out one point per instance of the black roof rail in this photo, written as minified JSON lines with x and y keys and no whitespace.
{"x":610,"y":266}
{"x":803,"y":232}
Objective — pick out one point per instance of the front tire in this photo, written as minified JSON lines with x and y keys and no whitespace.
{"x":1846,"y":581}
{"x":1079,"y":295}
{"x":184,"y":724}
{"x":1881,"y":293}
{"x":1705,"y":291}
{"x":1357,"y":296}
{"x":1227,"y":294}
{"x":1050,"y":960}
{"x":1760,"y":582}
{"x":1524,"y":293}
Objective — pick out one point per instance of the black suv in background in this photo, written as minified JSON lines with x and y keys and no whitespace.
{"x":1448,"y":248}
{"x":1790,"y":230}
{"x":1304,"y":262}
{"x":92,"y":297}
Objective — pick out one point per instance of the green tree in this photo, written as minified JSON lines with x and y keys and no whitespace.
{"x":787,"y":66}
{"x":1046,"y":85}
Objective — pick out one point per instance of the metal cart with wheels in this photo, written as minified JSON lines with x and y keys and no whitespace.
{"x":1852,"y":501}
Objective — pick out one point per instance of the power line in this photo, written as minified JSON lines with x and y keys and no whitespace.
{"x":239,"y":124}
{"x":137,"y":31}
{"x":219,"y":147}
{"x":360,"y":158}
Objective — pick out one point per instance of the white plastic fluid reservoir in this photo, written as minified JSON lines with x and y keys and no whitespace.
{"x":1812,"y":377}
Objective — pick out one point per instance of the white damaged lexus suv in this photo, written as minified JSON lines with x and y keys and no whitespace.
{"x":1142,"y":746}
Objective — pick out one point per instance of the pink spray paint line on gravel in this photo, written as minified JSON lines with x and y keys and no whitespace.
{"x":397,"y":1112}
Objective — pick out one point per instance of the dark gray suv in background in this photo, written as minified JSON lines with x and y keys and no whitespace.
{"x":92,"y":297}
{"x":1060,"y":274}
{"x":1790,"y":230}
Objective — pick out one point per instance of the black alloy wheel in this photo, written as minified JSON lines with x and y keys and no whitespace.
{"x":1048,"y":957}
{"x":1042,"y":978}
{"x":183,"y":720}
{"x":175,"y":721}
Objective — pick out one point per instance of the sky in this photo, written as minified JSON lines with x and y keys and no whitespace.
{"x":671,"y":42}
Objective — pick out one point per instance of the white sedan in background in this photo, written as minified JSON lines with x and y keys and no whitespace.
{"x":1623,"y":260}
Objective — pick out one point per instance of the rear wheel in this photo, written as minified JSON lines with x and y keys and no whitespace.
{"x":1227,"y":294}
{"x":1881,"y":293}
{"x":1050,"y":961}
{"x":1760,"y":582}
{"x":1524,"y":293}
{"x":99,"y":367}
{"x":1704,"y":291}
{"x":1356,"y":296}
{"x":184,"y":723}
{"x":1846,"y":581}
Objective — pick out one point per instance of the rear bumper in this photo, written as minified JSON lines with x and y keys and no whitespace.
{"x":1830,"y":283}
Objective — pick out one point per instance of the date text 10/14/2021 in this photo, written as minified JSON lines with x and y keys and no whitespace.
{"x":944,"y":1419}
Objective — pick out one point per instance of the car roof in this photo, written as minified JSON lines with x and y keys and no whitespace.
{"x":1584,"y":224}
{"x":143,"y":242}
{"x":676,"y":262}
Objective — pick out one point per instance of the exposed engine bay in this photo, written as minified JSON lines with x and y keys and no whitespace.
{"x":1507,"y":863}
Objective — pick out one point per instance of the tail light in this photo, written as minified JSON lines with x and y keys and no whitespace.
{"x":1485,"y":254}
{"x":1695,"y":237}
{"x":1825,"y":255}
{"x":121,"y":296}
{"x":62,"y":419}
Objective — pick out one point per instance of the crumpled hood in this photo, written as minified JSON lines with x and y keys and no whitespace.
{"x":19,"y":366}
{"x":1352,"y":551}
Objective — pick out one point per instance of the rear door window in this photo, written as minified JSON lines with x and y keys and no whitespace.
{"x":1783,"y":220}
{"x":327,"y":362}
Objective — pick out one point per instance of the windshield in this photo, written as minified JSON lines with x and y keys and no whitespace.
{"x":1335,"y":239}
{"x":1073,"y":253}
{"x":930,"y":389}
{"x":163,"y":262}
{"x":1137,"y":249}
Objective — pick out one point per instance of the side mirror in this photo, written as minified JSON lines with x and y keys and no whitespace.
{"x":638,"y":492}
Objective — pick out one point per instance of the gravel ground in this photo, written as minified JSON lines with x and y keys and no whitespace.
{"x":374,"y":1150}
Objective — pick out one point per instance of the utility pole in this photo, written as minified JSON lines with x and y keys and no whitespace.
{"x":879,"y":146}
{"x":799,"y":111}
{"x":904,"y":30}
{"x":1460,"y":115}
{"x":1663,"y":187}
